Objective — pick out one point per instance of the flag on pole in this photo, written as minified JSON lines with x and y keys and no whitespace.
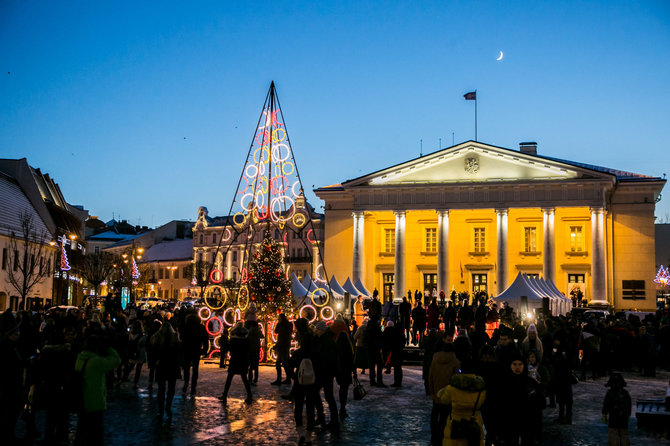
{"x":461,"y":263}
{"x":472,"y":96}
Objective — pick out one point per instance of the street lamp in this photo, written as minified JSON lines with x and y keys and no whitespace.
{"x":171,"y":276}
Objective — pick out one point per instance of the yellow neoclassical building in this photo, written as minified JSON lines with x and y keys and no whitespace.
{"x":471,"y":216}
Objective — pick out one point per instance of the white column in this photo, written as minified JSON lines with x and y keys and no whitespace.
{"x":399,"y":277}
{"x":548,"y":254}
{"x":443,"y":251}
{"x":315,"y":259}
{"x":241,"y":259}
{"x":501,"y":276}
{"x":357,"y":271}
{"x":598,"y":271}
{"x":229,"y":264}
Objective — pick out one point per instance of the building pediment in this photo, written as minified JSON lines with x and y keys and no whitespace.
{"x":474,"y":162}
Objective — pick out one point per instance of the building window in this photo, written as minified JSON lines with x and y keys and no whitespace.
{"x":214,"y":239}
{"x":4,"y":258}
{"x":234,"y":256}
{"x":576,"y":238}
{"x":199,"y":257}
{"x":429,"y":286}
{"x":184,"y":273}
{"x":49,"y":264}
{"x":576,"y":288}
{"x":388,"y":280}
{"x":389,"y":240}
{"x":530,"y":239}
{"x":16,"y":260}
{"x":234,"y":276}
{"x":479,"y":239}
{"x":299,"y":252}
{"x":533,"y":276}
{"x":633,"y":289}
{"x":478,"y":283}
{"x":96,"y":250}
{"x":160,"y":273}
{"x":431,"y":240}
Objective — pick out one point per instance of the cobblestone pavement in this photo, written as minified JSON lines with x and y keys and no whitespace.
{"x":386,"y":416}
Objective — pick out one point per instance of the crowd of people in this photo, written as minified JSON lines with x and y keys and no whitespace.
{"x":501,"y":378}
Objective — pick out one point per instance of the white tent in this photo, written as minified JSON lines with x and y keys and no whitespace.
{"x":351,"y":289}
{"x":359,"y":286}
{"x":520,"y":287}
{"x":335,"y":287}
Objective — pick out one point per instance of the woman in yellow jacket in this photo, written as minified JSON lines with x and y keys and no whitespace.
{"x":466,"y":393}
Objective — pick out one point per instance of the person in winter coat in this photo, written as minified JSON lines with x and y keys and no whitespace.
{"x":487,"y":368}
{"x":361,"y":357}
{"x":239,"y":360}
{"x":418,"y":322}
{"x":404,"y":316}
{"x":330,"y":367}
{"x":433,"y":315}
{"x":359,"y":311}
{"x":616,"y":411}
{"x":255,"y":335}
{"x":283,"y":330}
{"x":442,"y":368}
{"x":373,"y":339}
{"x":11,"y":379}
{"x":449,"y":317}
{"x":195,"y":341}
{"x":532,"y":342}
{"x":522,"y":410}
{"x":563,"y":379}
{"x":393,"y":344}
{"x":166,"y":344}
{"x":466,"y":394}
{"x":152,"y":356}
{"x":345,"y":352}
{"x":94,"y":362}
{"x":304,"y":393}
{"x":137,"y":351}
{"x":223,"y":343}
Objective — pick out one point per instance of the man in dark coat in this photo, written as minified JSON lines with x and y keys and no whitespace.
{"x":284,"y":331}
{"x":405,"y":313}
{"x":330,"y":361}
{"x":239,"y":360}
{"x":11,"y":381}
{"x":375,"y":308}
{"x":373,"y":336}
{"x":616,"y":410}
{"x":194,"y":341}
{"x":393,"y":344}
{"x":418,"y":322}
{"x":449,"y":318}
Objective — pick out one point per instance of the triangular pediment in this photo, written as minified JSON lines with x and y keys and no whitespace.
{"x":474,"y":162}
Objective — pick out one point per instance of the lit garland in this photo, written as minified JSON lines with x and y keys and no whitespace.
{"x":662,"y":276}
{"x":64,"y":264}
{"x":135,"y":274}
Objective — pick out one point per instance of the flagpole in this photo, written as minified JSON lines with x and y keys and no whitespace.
{"x":475,"y":115}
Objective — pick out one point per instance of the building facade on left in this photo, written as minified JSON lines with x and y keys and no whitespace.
{"x":41,"y":240}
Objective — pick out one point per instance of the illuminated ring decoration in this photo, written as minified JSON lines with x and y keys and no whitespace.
{"x":266,"y":120}
{"x":246,"y":171}
{"x":274,"y":118}
{"x":209,"y":313}
{"x":261,"y":169}
{"x":281,"y":188}
{"x":211,"y":276}
{"x":276,"y":152}
{"x":330,"y":316}
{"x":244,"y":275}
{"x":276,"y":215}
{"x":224,"y":296}
{"x":299,"y":220}
{"x":261,"y":355}
{"x":261,"y":212}
{"x":285,"y":242}
{"x":312,"y":241}
{"x":313,"y":296}
{"x":243,"y":298}
{"x":285,"y":171}
{"x":212,"y":353}
{"x":273,"y":335}
{"x":235,"y":219}
{"x":217,"y":340}
{"x":275,"y":138}
{"x":265,"y":134}
{"x":316,"y":272}
{"x":313,"y":309}
{"x":295,"y":194}
{"x":262,"y":159}
{"x":259,"y":199}
{"x":262,"y":185}
{"x":228,"y":235}
{"x":249,"y":205}
{"x":245,"y":189}
{"x":211,"y":333}
{"x":225,"y":320}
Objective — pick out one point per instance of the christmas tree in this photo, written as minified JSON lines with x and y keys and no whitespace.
{"x":266,"y":279}
{"x":663,"y":276}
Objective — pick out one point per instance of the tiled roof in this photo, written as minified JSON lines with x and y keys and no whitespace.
{"x":13,"y":202}
{"x":173,"y":250}
{"x":620,"y":174}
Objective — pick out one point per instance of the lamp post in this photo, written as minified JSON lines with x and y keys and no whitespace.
{"x":170,"y":270}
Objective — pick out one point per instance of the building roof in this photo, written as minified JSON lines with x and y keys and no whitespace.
{"x":174,"y":250}
{"x":111,"y":235}
{"x":13,"y":202}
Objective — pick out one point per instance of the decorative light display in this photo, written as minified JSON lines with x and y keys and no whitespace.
{"x":663,"y":276}
{"x":268,"y":204}
{"x":135,"y":272}
{"x":64,"y":264}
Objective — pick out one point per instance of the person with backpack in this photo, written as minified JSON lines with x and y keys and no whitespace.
{"x":92,"y":365}
{"x":616,"y":411}
{"x":239,"y":361}
{"x":305,"y":385}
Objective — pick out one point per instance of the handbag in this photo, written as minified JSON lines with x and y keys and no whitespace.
{"x":359,"y":390}
{"x":467,"y":428}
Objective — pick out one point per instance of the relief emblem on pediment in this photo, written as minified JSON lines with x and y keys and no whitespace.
{"x":472,"y":165}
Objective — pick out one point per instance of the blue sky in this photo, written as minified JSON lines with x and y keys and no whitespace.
{"x":147,"y":109}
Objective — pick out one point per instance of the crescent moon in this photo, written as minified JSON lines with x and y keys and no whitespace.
{"x":501,"y":56}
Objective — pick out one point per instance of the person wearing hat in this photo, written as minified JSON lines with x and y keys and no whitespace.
{"x":616,"y":411}
{"x":239,"y":360}
{"x":532,"y":342}
{"x":11,"y":379}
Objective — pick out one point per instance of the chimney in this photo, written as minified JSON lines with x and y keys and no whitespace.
{"x":529,"y":148}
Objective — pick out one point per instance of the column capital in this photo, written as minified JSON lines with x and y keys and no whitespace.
{"x":598,"y":210}
{"x":502,"y":210}
{"x":358,"y":214}
{"x":400,"y":212}
{"x":442,"y":212}
{"x":548,"y":210}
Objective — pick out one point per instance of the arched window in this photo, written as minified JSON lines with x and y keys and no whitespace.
{"x":201,"y":239}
